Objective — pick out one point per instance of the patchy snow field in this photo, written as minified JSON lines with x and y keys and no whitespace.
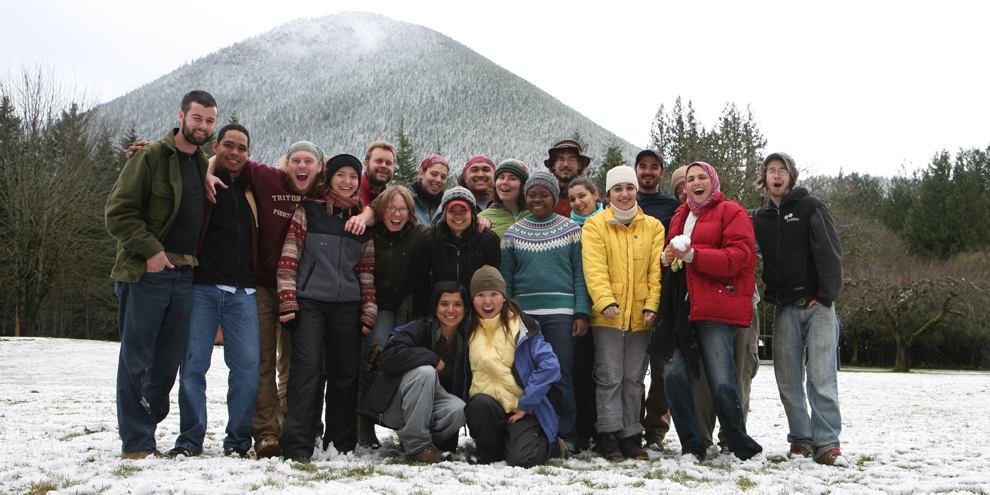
{"x":924,"y":432}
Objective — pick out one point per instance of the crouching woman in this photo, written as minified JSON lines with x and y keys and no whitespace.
{"x":511,"y":369}
{"x":422,"y":376}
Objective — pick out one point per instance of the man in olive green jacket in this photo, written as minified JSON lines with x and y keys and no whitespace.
{"x":155,"y":211}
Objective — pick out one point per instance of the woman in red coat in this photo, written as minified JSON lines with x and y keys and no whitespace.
{"x":707,"y":292}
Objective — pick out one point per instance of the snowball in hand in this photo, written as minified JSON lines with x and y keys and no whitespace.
{"x":681,"y":242}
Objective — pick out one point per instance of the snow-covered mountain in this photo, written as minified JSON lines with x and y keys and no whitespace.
{"x":345,"y":80}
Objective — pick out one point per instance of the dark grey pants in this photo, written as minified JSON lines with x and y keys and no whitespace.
{"x":522,"y":443}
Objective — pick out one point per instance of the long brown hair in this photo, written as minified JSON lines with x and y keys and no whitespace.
{"x":510,"y":309}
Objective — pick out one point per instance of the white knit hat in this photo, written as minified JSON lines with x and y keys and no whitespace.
{"x":618,"y":175}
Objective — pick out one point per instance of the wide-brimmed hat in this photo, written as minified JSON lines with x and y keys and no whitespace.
{"x":567,"y":144}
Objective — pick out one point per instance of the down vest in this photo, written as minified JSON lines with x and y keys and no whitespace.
{"x":622,"y":266}
{"x":720,"y":278}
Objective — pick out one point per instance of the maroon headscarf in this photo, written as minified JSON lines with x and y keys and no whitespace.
{"x":716,"y":187}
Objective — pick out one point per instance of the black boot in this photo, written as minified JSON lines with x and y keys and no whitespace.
{"x":631,"y":448}
{"x":610,"y":447}
{"x":366,"y":433}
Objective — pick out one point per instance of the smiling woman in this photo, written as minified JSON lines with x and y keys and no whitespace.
{"x":326,"y":291}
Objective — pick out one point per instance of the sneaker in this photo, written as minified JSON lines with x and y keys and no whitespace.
{"x":655,"y":444}
{"x":832,"y":457}
{"x":610,"y":448}
{"x":235,"y":452}
{"x":140,"y":455}
{"x":430,"y":455}
{"x":267,"y":447}
{"x":798,"y":450}
{"x":177,"y":451}
{"x":631,"y":449}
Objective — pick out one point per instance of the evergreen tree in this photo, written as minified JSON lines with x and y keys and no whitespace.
{"x":406,"y":166}
{"x":126,"y":141}
{"x":233,"y":118}
{"x":613,"y":158}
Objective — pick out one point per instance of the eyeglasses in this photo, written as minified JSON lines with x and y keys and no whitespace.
{"x":571,"y":159}
{"x":393,"y":210}
{"x":778,"y":172}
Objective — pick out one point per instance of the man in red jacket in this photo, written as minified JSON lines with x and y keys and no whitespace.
{"x":379,"y":165}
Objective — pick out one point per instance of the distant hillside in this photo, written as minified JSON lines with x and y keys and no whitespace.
{"x":344,"y":80}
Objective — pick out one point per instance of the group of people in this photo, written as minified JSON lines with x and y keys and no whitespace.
{"x":527,"y":305}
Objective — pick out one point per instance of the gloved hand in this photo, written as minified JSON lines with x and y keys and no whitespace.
{"x":289,"y":321}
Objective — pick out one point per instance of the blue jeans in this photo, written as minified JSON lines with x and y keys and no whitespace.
{"x":716,"y":339}
{"x":556,"y":331}
{"x":237,"y":316}
{"x":154,"y":325}
{"x":795,"y":330}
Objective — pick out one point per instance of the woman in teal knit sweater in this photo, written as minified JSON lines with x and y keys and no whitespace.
{"x":542,"y":268}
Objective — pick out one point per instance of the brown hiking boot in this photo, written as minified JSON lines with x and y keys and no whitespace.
{"x":430,"y":455}
{"x":631,"y":449}
{"x":610,"y":448}
{"x":798,"y":450}
{"x":140,"y":455}
{"x":267,"y":447}
{"x":832,"y":457}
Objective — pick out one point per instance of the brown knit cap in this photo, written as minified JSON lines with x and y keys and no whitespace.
{"x":677,"y":177}
{"x":487,"y":278}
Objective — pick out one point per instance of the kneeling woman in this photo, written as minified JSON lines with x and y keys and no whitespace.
{"x":707,"y":292}
{"x":422,"y":378}
{"x":326,"y":289}
{"x":510,"y":369}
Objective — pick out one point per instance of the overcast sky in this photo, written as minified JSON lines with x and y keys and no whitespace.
{"x":860,"y":86}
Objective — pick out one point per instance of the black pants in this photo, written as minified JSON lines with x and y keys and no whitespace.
{"x":584,"y":385}
{"x":335,"y":329}
{"x":522,"y":443}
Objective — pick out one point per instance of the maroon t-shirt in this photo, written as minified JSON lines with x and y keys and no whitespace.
{"x":276,"y":203}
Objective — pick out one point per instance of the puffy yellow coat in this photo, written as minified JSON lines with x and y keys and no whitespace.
{"x":622,"y":266}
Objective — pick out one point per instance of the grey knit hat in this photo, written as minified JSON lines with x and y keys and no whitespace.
{"x":544,"y":179}
{"x":487,"y":278}
{"x":457,"y":193}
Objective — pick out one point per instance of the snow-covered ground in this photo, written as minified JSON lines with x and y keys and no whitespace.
{"x":922,"y":432}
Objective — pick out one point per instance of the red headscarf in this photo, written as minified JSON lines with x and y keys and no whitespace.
{"x":716,"y":187}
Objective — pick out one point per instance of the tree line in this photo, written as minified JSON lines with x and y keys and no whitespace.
{"x":917,"y":268}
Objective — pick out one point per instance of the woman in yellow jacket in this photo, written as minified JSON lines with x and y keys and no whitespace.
{"x":621,"y":249}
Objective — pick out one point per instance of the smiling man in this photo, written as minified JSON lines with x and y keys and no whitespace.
{"x":565,"y":163}
{"x":223,"y":295}
{"x":155,"y":211}
{"x":802,"y":270}
{"x":478,"y":177}
{"x":653,"y":201}
{"x":379,"y":165}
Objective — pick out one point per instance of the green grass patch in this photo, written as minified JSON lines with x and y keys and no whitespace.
{"x":745,"y":483}
{"x":861,"y":462}
{"x":306,"y":468}
{"x":125,"y":470}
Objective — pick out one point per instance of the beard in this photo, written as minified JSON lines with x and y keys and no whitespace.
{"x":191,"y":137}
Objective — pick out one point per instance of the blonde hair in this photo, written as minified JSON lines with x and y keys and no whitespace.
{"x":319,"y":183}
{"x":380,"y":205}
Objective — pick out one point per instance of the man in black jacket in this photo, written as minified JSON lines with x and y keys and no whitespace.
{"x":223,"y":295}
{"x":802,"y":270}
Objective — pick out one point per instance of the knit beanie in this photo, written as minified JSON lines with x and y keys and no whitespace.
{"x":516,"y":167}
{"x":432,"y":160}
{"x":547,"y":180}
{"x":457,"y":193}
{"x":677,"y":177}
{"x":487,"y":278}
{"x":310,"y":147}
{"x":479,"y":158}
{"x":788,"y":162}
{"x":343,"y":160}
{"x":618,"y":175}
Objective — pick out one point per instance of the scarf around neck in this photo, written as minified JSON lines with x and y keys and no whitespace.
{"x":626,"y":216}
{"x":580,"y":220}
{"x":421,"y":193}
{"x":352,"y":205}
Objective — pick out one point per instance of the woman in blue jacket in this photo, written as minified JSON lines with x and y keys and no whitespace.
{"x":510,"y":369}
